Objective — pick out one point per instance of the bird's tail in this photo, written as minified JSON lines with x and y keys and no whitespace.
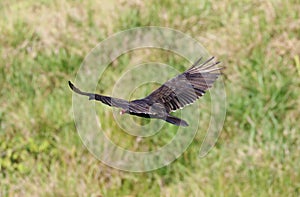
{"x":176,"y":121}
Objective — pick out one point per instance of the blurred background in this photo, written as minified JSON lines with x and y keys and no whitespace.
{"x":42,"y":44}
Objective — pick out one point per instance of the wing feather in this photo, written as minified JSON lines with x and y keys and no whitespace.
{"x":187,"y":87}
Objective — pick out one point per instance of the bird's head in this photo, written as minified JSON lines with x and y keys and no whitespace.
{"x":123,"y":111}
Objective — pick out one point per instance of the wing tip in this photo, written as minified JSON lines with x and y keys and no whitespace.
{"x":71,"y":85}
{"x":76,"y":90}
{"x":203,"y":65}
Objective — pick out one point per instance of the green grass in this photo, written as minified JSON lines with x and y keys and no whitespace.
{"x":42,"y":44}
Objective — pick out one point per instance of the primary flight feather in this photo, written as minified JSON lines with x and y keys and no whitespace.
{"x":176,"y":93}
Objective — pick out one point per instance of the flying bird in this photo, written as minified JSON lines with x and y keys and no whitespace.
{"x":176,"y":93}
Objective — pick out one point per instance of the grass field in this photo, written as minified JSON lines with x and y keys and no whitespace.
{"x":42,"y":44}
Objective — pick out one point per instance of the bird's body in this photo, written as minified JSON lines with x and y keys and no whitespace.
{"x":176,"y":93}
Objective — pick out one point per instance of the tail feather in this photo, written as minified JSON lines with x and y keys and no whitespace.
{"x":176,"y":121}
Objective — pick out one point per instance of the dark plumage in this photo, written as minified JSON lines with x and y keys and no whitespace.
{"x":175,"y":94}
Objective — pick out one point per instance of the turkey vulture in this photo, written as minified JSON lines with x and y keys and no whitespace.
{"x":175,"y":94}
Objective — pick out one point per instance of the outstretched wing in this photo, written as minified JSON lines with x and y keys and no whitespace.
{"x":187,"y":87}
{"x":114,"y":102}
